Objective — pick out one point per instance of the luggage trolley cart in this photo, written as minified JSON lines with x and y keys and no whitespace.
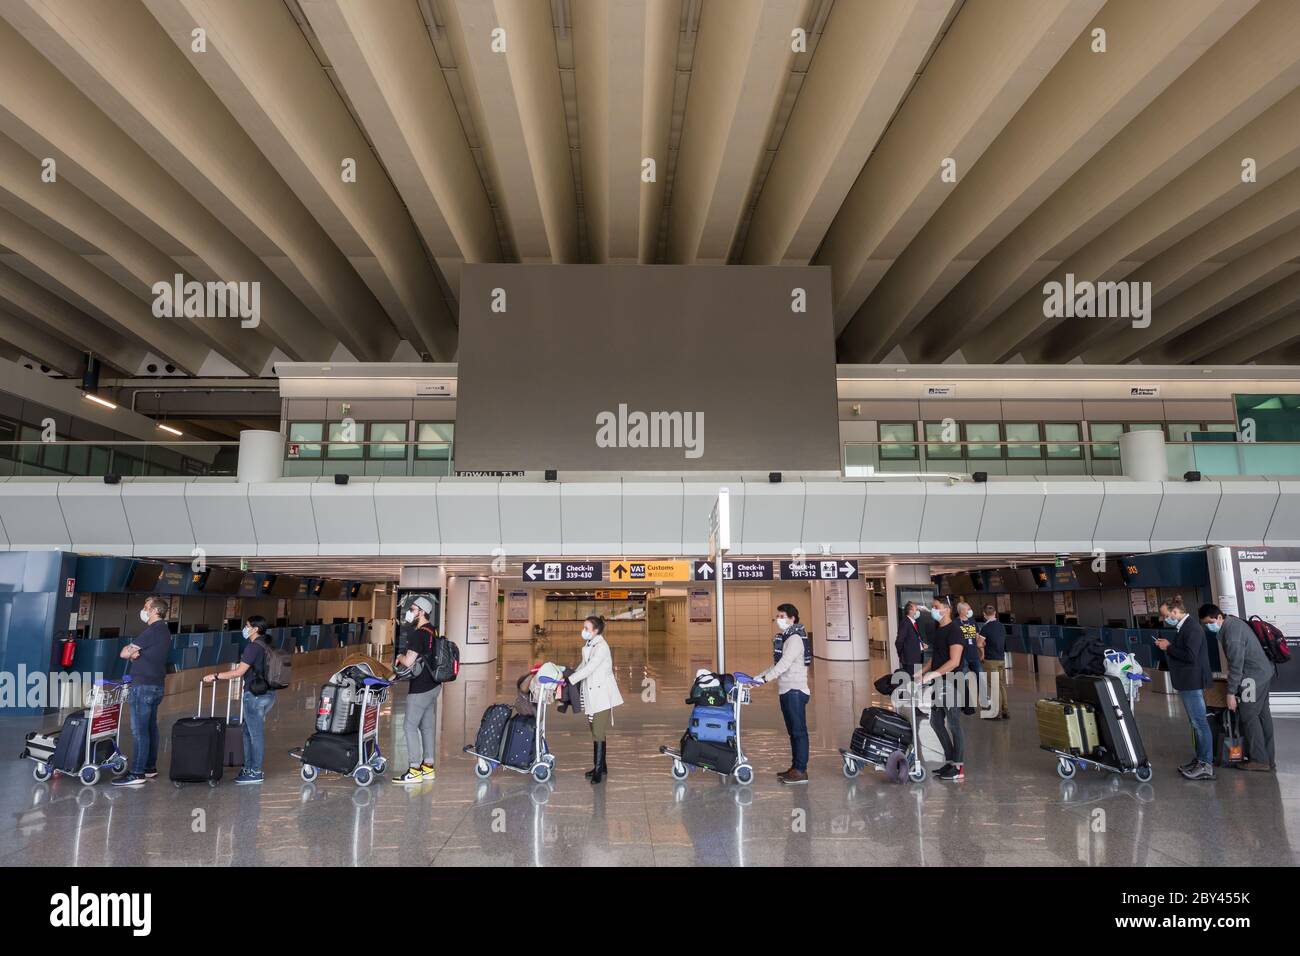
{"x":1068,"y":764}
{"x":370,"y":760}
{"x":542,"y":691}
{"x":742,"y":772}
{"x":105,"y":716}
{"x":916,"y":772}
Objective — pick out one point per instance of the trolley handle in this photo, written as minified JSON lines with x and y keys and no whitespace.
{"x":198,"y":712}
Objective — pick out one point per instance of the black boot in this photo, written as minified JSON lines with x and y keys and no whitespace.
{"x":598,"y":771}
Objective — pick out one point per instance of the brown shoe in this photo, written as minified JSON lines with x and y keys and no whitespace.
{"x":1253,"y":765}
{"x":794,"y":776}
{"x":784,"y":773}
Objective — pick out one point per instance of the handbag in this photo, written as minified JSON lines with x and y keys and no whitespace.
{"x":1232,"y":746}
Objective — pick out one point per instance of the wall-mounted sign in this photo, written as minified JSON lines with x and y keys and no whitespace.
{"x":941,"y":391}
{"x":644,"y":569}
{"x":1144,"y":391}
{"x":735,"y":571}
{"x":809,"y":570}
{"x":564,"y":571}
{"x":479,"y":613}
{"x":517,"y":607}
{"x":701,"y":607}
{"x":839,"y":619}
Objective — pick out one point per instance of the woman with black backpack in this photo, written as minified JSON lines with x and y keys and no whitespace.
{"x":259,"y":696}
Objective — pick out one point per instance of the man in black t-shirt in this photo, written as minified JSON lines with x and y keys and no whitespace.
{"x":945,"y":713}
{"x":147,"y":654}
{"x":993,"y":637}
{"x":421,"y":696}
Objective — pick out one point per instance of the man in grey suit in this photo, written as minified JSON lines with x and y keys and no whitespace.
{"x":1249,"y":674}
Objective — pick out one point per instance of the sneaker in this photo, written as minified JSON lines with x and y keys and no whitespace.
{"x":150,"y":774}
{"x":793,"y":776}
{"x":1200,"y":771}
{"x":1188,"y":767}
{"x":249,"y":776}
{"x":429,"y":772}
{"x":412,"y":775}
{"x":951,"y":771}
{"x":129,"y":780}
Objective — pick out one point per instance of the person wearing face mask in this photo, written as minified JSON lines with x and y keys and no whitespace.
{"x":1189,"y":671}
{"x":945,"y":715}
{"x":595,"y":677}
{"x":421,"y":718}
{"x":970,"y":655}
{"x":791,"y":676}
{"x":911,"y":650}
{"x":1249,"y":674}
{"x":994,"y":638}
{"x":148,"y":656}
{"x":255,"y":706}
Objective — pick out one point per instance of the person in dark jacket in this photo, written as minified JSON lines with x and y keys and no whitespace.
{"x":1189,"y":671}
{"x":993,"y":642}
{"x":911,"y":649}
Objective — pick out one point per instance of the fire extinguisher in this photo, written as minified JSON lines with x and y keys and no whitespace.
{"x":67,"y":652}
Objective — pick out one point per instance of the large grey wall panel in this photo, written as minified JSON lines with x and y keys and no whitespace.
{"x":345,"y":516}
{"x":159,"y":518}
{"x":832,"y":516}
{"x":468,"y":516}
{"x":1186,"y":512}
{"x":95,"y":517}
{"x":951,"y":521}
{"x":406,"y":510}
{"x":652,"y":517}
{"x":31,"y":514}
{"x":1009,"y":521}
{"x":591,"y":518}
{"x":1245,"y":509}
{"x":773,"y":521}
{"x":1283,"y":527}
{"x":891,"y":521}
{"x":530,"y":517}
{"x":698,"y":498}
{"x":1128,"y":514}
{"x":283,"y":517}
{"x":1069,"y":515}
{"x":221,"y":518}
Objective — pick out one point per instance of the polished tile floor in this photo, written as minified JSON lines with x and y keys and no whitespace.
{"x":1012,"y":809}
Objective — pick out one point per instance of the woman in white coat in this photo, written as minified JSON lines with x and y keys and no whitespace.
{"x":600,"y":695}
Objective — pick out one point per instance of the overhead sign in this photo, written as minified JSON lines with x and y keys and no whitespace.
{"x":940,"y":391}
{"x":823,"y":570}
{"x":1144,"y":391}
{"x":564,"y":571}
{"x":720,"y":524}
{"x":735,"y":571}
{"x":642,"y":569}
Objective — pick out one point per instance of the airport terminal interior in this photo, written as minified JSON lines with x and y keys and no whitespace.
{"x":403,"y":358}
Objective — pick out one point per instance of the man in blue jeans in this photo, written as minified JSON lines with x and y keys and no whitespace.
{"x":148,"y":657}
{"x":1188,"y":655}
{"x":791,"y":676}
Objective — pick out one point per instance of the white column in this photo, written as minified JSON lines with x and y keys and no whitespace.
{"x":1142,"y":455}
{"x":858,"y":647}
{"x":471,"y":617}
{"x":261,"y":455}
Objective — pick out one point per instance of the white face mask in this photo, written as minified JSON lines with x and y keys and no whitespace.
{"x":587,"y":635}
{"x":144,"y":614}
{"x":248,"y":633}
{"x":410,"y":616}
{"x":782,"y":623}
{"x":936,"y":613}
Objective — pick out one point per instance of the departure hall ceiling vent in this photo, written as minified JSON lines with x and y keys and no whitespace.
{"x":216,"y":185}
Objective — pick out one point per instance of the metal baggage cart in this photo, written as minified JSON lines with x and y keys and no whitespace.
{"x":916,"y":770}
{"x":105,"y":715}
{"x":542,"y":691}
{"x":371,"y":761}
{"x":742,"y":772}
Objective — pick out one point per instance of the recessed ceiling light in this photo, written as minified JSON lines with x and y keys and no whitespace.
{"x":100,"y":401}
{"x":173,"y":431}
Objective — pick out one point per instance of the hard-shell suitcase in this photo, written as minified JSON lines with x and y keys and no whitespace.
{"x":492,"y":731}
{"x":336,"y":752}
{"x":1116,"y":728}
{"x":879,"y":722}
{"x":233,"y":743}
{"x":70,"y":751}
{"x":41,"y":744}
{"x":1067,"y":726}
{"x":517,"y":749}
{"x":339,"y":710}
{"x":706,"y":753}
{"x":872,"y":747}
{"x":198,"y":745}
{"x":715,"y":724}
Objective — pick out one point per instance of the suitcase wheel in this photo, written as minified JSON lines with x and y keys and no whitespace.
{"x":1065,"y":768}
{"x":680,"y":770}
{"x":851,"y":768}
{"x":42,"y":772}
{"x":309,"y":773}
{"x":482,"y":769}
{"x":917,"y":772}
{"x":542,"y":772}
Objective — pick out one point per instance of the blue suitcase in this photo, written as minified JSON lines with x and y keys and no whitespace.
{"x":517,"y":750}
{"x":712,"y":724}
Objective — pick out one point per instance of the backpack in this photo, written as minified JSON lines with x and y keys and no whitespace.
{"x":274,"y":673}
{"x":711,"y":689}
{"x":1087,"y":655}
{"x":445,"y":660}
{"x":1271,"y":638}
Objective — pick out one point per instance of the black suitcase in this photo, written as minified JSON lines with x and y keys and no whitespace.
{"x":233,"y":745}
{"x":198,"y":745}
{"x":879,"y":722}
{"x":517,"y":751}
{"x":70,"y":752}
{"x":492,"y":731}
{"x":705,"y":753}
{"x":337,"y":752}
{"x":872,"y":747}
{"x":1116,"y":727}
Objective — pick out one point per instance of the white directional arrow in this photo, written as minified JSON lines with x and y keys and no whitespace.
{"x":847,"y":569}
{"x":706,"y":570}
{"x":532,"y":571}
